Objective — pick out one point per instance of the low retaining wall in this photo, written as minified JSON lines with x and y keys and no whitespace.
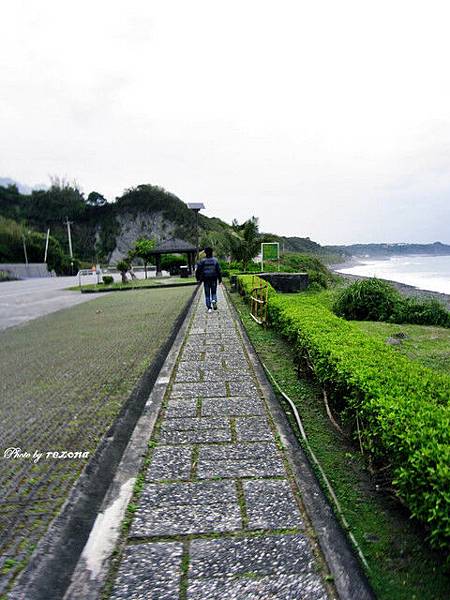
{"x":23,"y":271}
{"x":286,"y":282}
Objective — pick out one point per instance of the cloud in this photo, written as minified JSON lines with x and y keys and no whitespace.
{"x":326,"y":119}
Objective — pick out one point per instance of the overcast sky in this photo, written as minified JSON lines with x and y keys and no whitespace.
{"x":325,"y":119}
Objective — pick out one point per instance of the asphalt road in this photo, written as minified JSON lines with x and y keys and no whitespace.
{"x":21,"y":301}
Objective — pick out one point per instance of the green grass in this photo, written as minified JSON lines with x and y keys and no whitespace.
{"x":137,"y":284}
{"x":63,"y":379}
{"x":428,"y":345}
{"x":401,"y":566}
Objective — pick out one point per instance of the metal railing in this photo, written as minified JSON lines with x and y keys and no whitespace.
{"x":258,"y":301}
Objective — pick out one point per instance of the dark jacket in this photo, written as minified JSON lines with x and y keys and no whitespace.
{"x":208,"y":268}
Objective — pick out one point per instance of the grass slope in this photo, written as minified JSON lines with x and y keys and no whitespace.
{"x":63,"y":380}
{"x":151,"y":282}
{"x":427,"y":345}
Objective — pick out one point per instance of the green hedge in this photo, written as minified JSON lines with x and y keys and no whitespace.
{"x":403,"y":408}
{"x":247,"y":282}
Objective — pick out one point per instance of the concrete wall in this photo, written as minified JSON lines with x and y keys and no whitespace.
{"x":23,"y":271}
{"x":287,"y":282}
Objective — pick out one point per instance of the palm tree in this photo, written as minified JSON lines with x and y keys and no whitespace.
{"x":123,"y":266}
{"x":245,"y":243}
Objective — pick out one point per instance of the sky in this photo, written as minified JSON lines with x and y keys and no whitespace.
{"x":328,"y":120}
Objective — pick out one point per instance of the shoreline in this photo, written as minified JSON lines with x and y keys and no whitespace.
{"x":403,"y":288}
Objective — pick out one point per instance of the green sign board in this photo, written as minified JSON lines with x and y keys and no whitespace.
{"x":270,"y":251}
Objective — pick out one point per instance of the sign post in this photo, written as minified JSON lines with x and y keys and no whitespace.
{"x":270,"y":251}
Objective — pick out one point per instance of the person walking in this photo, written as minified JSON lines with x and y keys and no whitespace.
{"x":208,"y":271}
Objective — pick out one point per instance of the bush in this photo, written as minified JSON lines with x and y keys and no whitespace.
{"x":318,"y":273}
{"x":377,"y":300}
{"x":173,"y":262}
{"x":368,"y":300}
{"x":108,"y":279}
{"x":402,"y":407}
{"x":421,"y":312}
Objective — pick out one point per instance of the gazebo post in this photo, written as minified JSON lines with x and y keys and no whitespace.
{"x":158,"y":265}
{"x":189,"y":257}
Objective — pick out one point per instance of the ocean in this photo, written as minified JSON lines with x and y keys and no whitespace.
{"x":424,"y":272}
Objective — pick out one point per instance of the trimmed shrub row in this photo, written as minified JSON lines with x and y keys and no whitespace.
{"x":402,"y":407}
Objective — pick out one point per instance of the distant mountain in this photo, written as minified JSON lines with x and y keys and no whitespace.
{"x":22,"y":187}
{"x":386,"y":250}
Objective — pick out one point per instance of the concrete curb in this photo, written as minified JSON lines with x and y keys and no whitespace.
{"x":141,"y":287}
{"x":349,"y":578}
{"x":91,"y":571}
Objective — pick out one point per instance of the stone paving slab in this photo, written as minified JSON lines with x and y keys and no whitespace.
{"x":150,"y":571}
{"x":232,"y":407}
{"x":197,"y":390}
{"x":170,"y":463}
{"x":186,"y":508}
{"x":198,"y":492}
{"x":243,"y":388}
{"x":191,"y":430}
{"x":240,"y":460}
{"x":180,"y":408}
{"x":283,"y":587}
{"x":194,"y":375}
{"x":271,"y":505}
{"x":233,"y":557}
{"x":198,"y":372}
{"x":253,"y":429}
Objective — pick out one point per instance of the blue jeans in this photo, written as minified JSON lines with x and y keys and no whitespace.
{"x":210,"y":286}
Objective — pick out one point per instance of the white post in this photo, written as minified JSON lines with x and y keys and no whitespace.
{"x":69,"y":223}
{"x":46,"y":245}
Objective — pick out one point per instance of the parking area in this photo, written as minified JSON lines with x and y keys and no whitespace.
{"x":21,"y":301}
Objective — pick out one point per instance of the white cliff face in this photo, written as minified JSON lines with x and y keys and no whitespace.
{"x":133,"y":226}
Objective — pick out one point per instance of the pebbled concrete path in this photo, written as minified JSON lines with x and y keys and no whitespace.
{"x":219,"y":515}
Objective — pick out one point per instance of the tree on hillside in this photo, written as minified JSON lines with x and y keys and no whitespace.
{"x":218,"y":240}
{"x":61,"y":200}
{"x":96,"y":199}
{"x":246,"y":243}
{"x":13,"y":237}
{"x":143,"y":249}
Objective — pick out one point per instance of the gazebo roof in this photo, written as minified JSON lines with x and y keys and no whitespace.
{"x":173,"y":245}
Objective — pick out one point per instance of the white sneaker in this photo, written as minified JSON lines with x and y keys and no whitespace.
{"x":214,"y":304}
{"x":210,"y":310}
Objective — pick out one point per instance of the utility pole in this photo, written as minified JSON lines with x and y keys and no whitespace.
{"x":69,"y":223}
{"x":25,"y":249}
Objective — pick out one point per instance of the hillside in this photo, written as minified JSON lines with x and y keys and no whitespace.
{"x":106,"y":231}
{"x":386,"y":250}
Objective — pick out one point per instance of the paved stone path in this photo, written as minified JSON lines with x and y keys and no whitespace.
{"x":219,"y":515}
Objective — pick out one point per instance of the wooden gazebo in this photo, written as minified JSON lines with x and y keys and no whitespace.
{"x":174,"y":246}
